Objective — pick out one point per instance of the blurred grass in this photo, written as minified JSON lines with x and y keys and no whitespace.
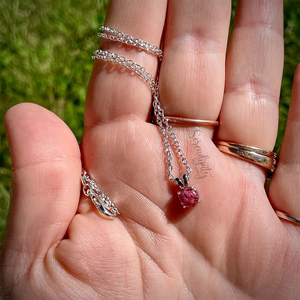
{"x":291,"y":60}
{"x":45,"y":58}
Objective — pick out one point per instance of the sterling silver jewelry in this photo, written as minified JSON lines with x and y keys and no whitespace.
{"x":115,"y":35}
{"x":100,"y":200}
{"x":188,"y":195}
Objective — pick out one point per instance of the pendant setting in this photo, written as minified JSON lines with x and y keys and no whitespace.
{"x":188,"y":195}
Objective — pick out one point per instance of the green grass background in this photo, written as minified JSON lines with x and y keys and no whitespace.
{"x":45,"y":58}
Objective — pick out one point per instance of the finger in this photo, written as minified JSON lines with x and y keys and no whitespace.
{"x":113,"y":93}
{"x":284,"y":189}
{"x":46,"y":181}
{"x":254,"y":67}
{"x":193,"y":69}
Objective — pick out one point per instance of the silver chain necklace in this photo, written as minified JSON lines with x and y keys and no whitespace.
{"x":100,"y":200}
{"x":188,"y":195}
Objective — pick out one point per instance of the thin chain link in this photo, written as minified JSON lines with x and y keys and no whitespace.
{"x":91,"y":190}
{"x":161,"y":120}
{"x":129,"y":64}
{"x":115,"y":35}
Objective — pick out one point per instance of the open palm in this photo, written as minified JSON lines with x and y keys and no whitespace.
{"x":231,"y":245}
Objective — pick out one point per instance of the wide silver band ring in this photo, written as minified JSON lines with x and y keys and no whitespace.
{"x":287,"y":217}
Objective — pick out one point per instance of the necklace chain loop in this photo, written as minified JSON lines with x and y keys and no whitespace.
{"x":100,"y":200}
{"x":188,"y":195}
{"x":115,"y":35}
{"x":161,"y":121}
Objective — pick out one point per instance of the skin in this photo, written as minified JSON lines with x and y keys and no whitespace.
{"x":231,"y":245}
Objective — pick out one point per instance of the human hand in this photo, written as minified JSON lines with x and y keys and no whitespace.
{"x":231,"y":245}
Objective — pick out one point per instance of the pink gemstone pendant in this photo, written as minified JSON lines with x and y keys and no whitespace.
{"x":188,"y":196}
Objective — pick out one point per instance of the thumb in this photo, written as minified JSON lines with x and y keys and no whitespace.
{"x":46,"y":183}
